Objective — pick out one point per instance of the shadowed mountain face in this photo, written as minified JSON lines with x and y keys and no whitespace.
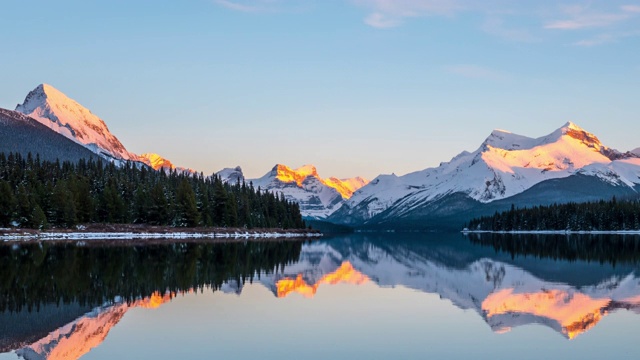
{"x":22,"y":134}
{"x":567,"y":284}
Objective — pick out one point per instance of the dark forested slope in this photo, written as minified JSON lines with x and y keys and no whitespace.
{"x":36,"y":194}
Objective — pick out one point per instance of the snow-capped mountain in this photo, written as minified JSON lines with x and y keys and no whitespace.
{"x":231,"y":175}
{"x":65,"y":116}
{"x":503,"y":166}
{"x":317,"y":197}
{"x":22,"y":134}
{"x":157,"y":162}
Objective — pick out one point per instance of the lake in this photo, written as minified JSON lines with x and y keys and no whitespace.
{"x":364,"y":295}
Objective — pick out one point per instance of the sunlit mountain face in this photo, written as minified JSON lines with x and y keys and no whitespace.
{"x":65,"y":116}
{"x":507,"y":289}
{"x":345,"y":187}
{"x":318,"y":197}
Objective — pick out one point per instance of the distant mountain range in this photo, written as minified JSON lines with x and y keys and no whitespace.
{"x":318,"y":197}
{"x":51,"y":124}
{"x":569,"y":164}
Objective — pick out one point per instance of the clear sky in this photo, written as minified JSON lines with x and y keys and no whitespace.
{"x":356,"y":87}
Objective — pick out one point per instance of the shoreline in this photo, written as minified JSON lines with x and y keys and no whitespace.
{"x":140,"y":233}
{"x":556,"y":232}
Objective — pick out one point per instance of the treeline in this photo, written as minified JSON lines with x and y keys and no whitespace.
{"x":36,"y":274}
{"x":603,"y":215}
{"x":38,"y":194}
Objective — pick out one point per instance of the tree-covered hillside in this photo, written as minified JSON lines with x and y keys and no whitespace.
{"x":37,"y":194}
{"x":603,"y":215}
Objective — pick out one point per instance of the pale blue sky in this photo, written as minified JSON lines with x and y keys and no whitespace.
{"x":356,"y":87}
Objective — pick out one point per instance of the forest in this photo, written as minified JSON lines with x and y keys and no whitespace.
{"x":41,"y":194}
{"x":612,"y":215}
{"x":39,"y":274}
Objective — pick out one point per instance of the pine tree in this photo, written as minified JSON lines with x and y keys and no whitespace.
{"x":158,"y":208}
{"x":187,"y":211}
{"x":7,"y":204}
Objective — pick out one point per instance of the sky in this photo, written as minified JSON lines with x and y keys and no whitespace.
{"x":355,"y":87}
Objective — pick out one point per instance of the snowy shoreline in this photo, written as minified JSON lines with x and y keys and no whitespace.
{"x":126,"y":235}
{"x":556,"y":232}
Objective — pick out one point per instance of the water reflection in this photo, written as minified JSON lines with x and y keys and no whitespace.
{"x":567,"y":284}
{"x":345,"y":273}
{"x":88,"y":331}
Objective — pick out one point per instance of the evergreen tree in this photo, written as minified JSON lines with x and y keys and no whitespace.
{"x":158,"y":209}
{"x":7,"y":204}
{"x":187,"y":211}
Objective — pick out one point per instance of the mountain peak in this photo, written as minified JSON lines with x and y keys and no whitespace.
{"x":57,"y":111}
{"x":503,"y":139}
{"x":231,"y":175}
{"x":573,"y":126}
{"x":156,"y":161}
{"x":287,"y":175}
{"x":574,"y":131}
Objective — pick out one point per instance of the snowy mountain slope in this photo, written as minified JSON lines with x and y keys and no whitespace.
{"x":65,"y":116}
{"x":231,"y":175}
{"x":318,"y":197}
{"x":503,"y":166}
{"x":22,"y":134}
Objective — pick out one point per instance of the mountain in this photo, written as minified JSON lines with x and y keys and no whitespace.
{"x":22,"y":134}
{"x":317,"y":197}
{"x":157,"y":162}
{"x":231,"y":175}
{"x":505,"y":166}
{"x":67,"y":117}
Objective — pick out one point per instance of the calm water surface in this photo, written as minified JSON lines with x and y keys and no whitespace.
{"x":404,"y":296}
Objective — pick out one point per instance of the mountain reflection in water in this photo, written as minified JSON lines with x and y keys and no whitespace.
{"x":567,"y":284}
